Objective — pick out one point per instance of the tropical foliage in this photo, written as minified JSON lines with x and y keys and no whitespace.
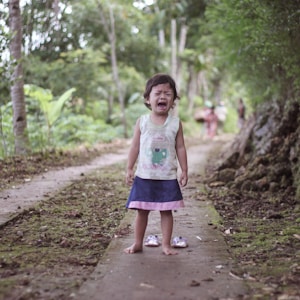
{"x":103,"y":51}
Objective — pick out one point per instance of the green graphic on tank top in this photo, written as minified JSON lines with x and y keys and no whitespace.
{"x":159,"y":155}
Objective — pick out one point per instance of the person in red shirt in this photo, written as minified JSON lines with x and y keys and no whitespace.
{"x":211,"y":123}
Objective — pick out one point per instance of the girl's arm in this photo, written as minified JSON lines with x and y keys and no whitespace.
{"x":133,"y":153}
{"x":182,"y":156}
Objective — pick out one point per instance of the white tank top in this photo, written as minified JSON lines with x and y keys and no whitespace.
{"x":157,"y":156}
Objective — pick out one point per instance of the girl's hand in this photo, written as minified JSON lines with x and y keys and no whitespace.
{"x":183,"y":179}
{"x":129,"y":177}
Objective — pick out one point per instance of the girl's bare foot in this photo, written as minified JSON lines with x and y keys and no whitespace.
{"x":169,"y":251}
{"x":133,"y":249}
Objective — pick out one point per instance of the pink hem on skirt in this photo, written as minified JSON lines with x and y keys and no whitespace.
{"x":156,"y":206}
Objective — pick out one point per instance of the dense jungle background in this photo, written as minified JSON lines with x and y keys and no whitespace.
{"x":73,"y":74}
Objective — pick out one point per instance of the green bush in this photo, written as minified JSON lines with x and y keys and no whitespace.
{"x":6,"y":133}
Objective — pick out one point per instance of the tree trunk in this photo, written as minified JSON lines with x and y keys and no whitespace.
{"x":110,"y":31}
{"x":176,"y":65}
{"x":174,"y":58}
{"x":191,"y":88}
{"x":161,"y":32}
{"x":181,"y":47}
{"x":173,"y":49}
{"x":161,"y":38}
{"x":115,"y":70}
{"x":17,"y":88}
{"x":203,"y":85}
{"x":2,"y":135}
{"x":110,"y":106}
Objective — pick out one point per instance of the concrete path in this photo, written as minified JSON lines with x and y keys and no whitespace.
{"x":13,"y":201}
{"x":200,"y":271}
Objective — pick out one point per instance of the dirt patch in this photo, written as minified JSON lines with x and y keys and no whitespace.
{"x":19,"y":169}
{"x":49,"y":249}
{"x":262,"y":231}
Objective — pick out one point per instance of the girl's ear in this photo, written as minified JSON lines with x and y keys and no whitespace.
{"x":174,"y":104}
{"x":147,"y":103}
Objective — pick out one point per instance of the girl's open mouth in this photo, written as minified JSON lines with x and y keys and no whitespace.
{"x":162,"y":104}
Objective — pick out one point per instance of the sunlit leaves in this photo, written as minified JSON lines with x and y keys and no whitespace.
{"x":50,"y":107}
{"x":258,"y":42}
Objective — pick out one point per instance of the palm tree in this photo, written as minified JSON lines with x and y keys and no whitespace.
{"x":17,"y":88}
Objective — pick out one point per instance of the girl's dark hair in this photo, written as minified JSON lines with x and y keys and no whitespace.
{"x":156,"y":80}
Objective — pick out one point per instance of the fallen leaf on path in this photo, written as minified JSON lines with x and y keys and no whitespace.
{"x":208,"y":279}
{"x":194,"y":283}
{"x":146,"y":285}
{"x":235,"y":276}
{"x":297,"y":236}
{"x":219,"y":267}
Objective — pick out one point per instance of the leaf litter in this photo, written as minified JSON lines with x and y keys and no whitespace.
{"x":49,"y":250}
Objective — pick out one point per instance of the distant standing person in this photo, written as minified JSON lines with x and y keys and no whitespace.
{"x":158,"y":142}
{"x":241,"y":113}
{"x":221,"y":112}
{"x":211,"y":123}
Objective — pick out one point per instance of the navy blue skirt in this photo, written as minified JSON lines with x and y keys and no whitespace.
{"x":149,"y":194}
